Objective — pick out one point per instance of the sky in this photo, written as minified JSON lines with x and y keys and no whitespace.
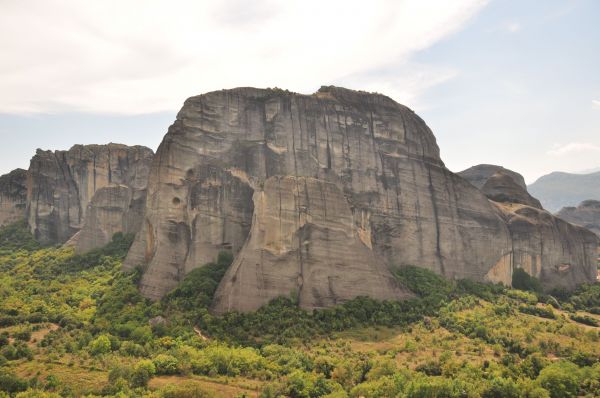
{"x":508,"y":82}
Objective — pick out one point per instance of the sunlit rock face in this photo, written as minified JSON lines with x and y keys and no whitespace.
{"x":61,"y":187}
{"x":559,"y":253}
{"x":13,"y":196}
{"x":316,"y":195}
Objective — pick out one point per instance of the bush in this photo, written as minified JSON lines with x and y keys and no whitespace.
{"x":561,"y":379}
{"x":543,"y":312}
{"x":165,"y":364}
{"x":12,"y":384}
{"x":584,"y":319}
{"x":23,"y":334}
{"x":142,"y":373}
{"x":523,"y":281}
{"x":101,"y":345}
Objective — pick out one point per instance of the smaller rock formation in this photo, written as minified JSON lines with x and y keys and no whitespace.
{"x":61,"y":186}
{"x":560,"y":254}
{"x":500,"y":184}
{"x":13,"y":196}
{"x":587,"y":215}
{"x":547,"y":247}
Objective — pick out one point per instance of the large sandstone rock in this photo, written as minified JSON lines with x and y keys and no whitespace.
{"x":560,"y":254}
{"x":586,"y":214}
{"x":500,"y":184}
{"x":13,"y":196}
{"x":317,"y":195}
{"x":61,"y":185}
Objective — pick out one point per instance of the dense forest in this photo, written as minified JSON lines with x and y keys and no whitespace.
{"x":75,"y":325}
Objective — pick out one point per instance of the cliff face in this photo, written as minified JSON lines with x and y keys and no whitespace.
{"x":62,"y":184}
{"x":13,"y":196}
{"x":560,"y":254}
{"x":586,"y":214}
{"x":316,"y":195}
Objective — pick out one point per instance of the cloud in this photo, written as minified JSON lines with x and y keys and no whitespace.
{"x":513,"y":27}
{"x":132,"y":56}
{"x":596,"y":104}
{"x":573,"y":148}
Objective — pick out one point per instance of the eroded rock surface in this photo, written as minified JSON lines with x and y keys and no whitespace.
{"x":586,"y":214}
{"x":500,"y":184}
{"x":560,"y":254}
{"x":13,"y":196}
{"x":61,"y":185}
{"x":317,"y":195}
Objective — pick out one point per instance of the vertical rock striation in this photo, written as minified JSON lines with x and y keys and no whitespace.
{"x":61,"y":185}
{"x":13,"y":196}
{"x":317,"y":195}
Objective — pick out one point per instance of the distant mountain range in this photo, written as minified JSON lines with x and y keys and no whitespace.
{"x":558,"y":189}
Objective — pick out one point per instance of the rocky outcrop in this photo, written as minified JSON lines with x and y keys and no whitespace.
{"x":316,"y":195}
{"x":587,"y":215}
{"x":500,"y":184}
{"x":319,"y":195}
{"x":13,"y":196}
{"x":560,"y":254}
{"x":62,"y":186}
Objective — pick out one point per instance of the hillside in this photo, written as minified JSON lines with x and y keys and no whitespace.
{"x":557,"y":190}
{"x":75,"y":325}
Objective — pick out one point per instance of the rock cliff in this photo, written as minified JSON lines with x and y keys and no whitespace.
{"x":13,"y":196}
{"x":587,"y":215}
{"x":317,"y":195}
{"x":105,"y":180}
{"x":560,"y":254}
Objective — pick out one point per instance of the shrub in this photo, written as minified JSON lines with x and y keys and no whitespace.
{"x":101,"y":345}
{"x":584,"y":319}
{"x":12,"y":384}
{"x":23,"y":334}
{"x":165,"y":364}
{"x":523,"y":281}
{"x":561,"y":379}
{"x":543,"y":312}
{"x":142,"y":373}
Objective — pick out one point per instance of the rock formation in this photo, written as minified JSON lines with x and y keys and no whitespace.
{"x":500,"y":184}
{"x":587,"y":215}
{"x":560,"y":254}
{"x":316,"y":195}
{"x":319,"y":195}
{"x":13,"y":196}
{"x":106,"y":180}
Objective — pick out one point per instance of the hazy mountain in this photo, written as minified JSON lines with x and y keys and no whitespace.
{"x":557,"y":190}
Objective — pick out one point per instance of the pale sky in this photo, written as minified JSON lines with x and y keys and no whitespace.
{"x":510,"y":82}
